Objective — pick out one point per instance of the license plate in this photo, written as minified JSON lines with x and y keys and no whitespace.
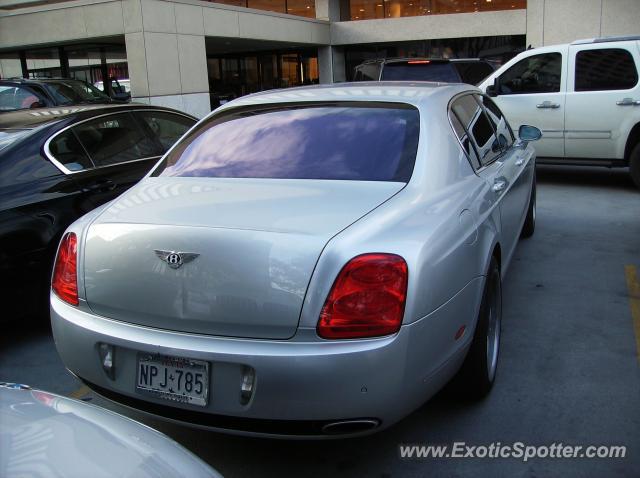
{"x":174,"y":378}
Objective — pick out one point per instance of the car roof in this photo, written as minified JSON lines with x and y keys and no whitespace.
{"x":26,"y":81}
{"x":410,"y":92}
{"x":32,"y":118}
{"x":434,"y":60}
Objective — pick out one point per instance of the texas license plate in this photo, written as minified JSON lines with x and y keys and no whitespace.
{"x":174,"y":378}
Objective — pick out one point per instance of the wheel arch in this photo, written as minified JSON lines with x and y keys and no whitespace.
{"x":632,"y":140}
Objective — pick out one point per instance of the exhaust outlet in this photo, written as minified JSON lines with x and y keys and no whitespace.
{"x":346,"y":427}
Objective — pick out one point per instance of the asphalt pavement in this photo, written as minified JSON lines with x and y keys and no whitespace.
{"x":569,"y":369}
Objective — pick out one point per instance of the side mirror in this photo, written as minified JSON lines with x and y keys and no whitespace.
{"x":529,"y":133}
{"x":493,"y":90}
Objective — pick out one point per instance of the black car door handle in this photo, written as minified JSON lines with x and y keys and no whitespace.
{"x":102,"y":186}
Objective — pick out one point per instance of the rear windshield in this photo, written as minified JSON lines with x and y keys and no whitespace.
{"x":360,"y":143}
{"x":432,"y":71}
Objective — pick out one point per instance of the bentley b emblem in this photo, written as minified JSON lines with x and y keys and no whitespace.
{"x":175,"y":259}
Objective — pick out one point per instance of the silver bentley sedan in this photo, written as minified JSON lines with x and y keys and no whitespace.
{"x":305,"y":263}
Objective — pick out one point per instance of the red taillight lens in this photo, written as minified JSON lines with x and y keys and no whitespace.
{"x":65,"y":271}
{"x":367,"y":299}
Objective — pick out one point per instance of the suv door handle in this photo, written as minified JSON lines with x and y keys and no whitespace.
{"x":628,"y":102}
{"x":499,"y":185}
{"x":101,"y":186}
{"x":548,"y":105}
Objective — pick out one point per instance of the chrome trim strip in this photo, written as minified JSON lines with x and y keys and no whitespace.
{"x":68,"y":172}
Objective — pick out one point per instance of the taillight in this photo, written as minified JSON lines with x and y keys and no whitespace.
{"x":65,"y":271}
{"x":367,"y":299}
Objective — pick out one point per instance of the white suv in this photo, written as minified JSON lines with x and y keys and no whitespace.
{"x":584,"y":96}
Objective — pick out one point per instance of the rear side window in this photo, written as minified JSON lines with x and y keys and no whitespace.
{"x":166,"y":127}
{"x":68,"y":151}
{"x":17,"y":98}
{"x":370,"y":72}
{"x":361,"y":143}
{"x":115,"y":139}
{"x":420,"y":70}
{"x":605,"y":69}
{"x":473,"y":72}
{"x":534,"y":74}
{"x":503,"y":129}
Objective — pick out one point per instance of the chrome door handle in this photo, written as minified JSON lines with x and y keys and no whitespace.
{"x":628,"y":102}
{"x":548,"y":104}
{"x":520,"y":162}
{"x":499,"y":185}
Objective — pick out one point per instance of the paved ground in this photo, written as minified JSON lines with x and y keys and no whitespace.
{"x":569,"y":369}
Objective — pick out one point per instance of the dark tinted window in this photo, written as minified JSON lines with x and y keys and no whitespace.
{"x":66,"y":149}
{"x":419,"y":71}
{"x":115,"y":139}
{"x":499,"y":122}
{"x":535,"y":74}
{"x":473,"y":72}
{"x":369,"y":72}
{"x":476,"y":123}
{"x":166,"y":127}
{"x":366,"y":143}
{"x":606,"y":69}
{"x":67,"y":92}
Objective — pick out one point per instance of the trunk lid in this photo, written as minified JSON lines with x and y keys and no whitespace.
{"x":257,"y":241}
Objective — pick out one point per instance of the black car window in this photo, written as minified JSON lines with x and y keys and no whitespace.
{"x":501,"y":125}
{"x":420,"y":70}
{"x":605,"y":69}
{"x":115,"y":139}
{"x":17,"y":98}
{"x":534,"y":74}
{"x":476,"y":123}
{"x":67,"y":150}
{"x":66,"y":92}
{"x":367,"y":142}
{"x":167,"y":127}
{"x":473,"y":72}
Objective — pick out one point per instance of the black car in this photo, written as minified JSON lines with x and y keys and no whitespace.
{"x":18,"y":94}
{"x":58,"y":164}
{"x":464,"y":70}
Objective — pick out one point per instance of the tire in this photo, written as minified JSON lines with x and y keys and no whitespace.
{"x":478,"y":372}
{"x":634,"y":165}
{"x":529,"y":226}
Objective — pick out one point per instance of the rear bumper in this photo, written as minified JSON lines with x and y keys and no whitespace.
{"x":301,"y":385}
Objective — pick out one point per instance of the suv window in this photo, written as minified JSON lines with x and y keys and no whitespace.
{"x":115,"y":139}
{"x":534,"y":74}
{"x":478,"y":127}
{"x":605,"y":69}
{"x":473,"y":72}
{"x":370,"y":72}
{"x":357,"y":143}
{"x":68,"y":151}
{"x":167,"y":127}
{"x":17,"y":98}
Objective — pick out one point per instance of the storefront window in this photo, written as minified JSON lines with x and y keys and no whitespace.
{"x":301,"y":8}
{"x":372,"y":9}
{"x":10,"y":66}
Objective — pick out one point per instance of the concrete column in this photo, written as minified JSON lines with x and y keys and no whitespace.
{"x":328,"y":10}
{"x":166,"y":55}
{"x":535,"y":23}
{"x":331,"y":64}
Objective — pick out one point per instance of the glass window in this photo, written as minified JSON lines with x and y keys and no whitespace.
{"x":535,"y":74}
{"x":68,"y":151}
{"x":268,"y":5}
{"x":605,"y":69}
{"x":115,"y":139}
{"x":360,"y":143}
{"x":166,"y":127}
{"x":368,"y":9}
{"x":67,"y":92}
{"x":420,"y":70}
{"x":477,"y":124}
{"x":302,"y":8}
{"x":462,"y":135}
{"x":368,"y":72}
{"x":18,"y":98}
{"x":473,"y":72}
{"x":499,"y":122}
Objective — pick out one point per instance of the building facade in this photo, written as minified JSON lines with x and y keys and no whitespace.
{"x":192,"y":54}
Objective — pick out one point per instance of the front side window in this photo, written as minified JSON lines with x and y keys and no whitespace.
{"x":67,"y":92}
{"x":367,"y":142}
{"x":115,"y":139}
{"x":534,"y":74}
{"x":605,"y":69}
